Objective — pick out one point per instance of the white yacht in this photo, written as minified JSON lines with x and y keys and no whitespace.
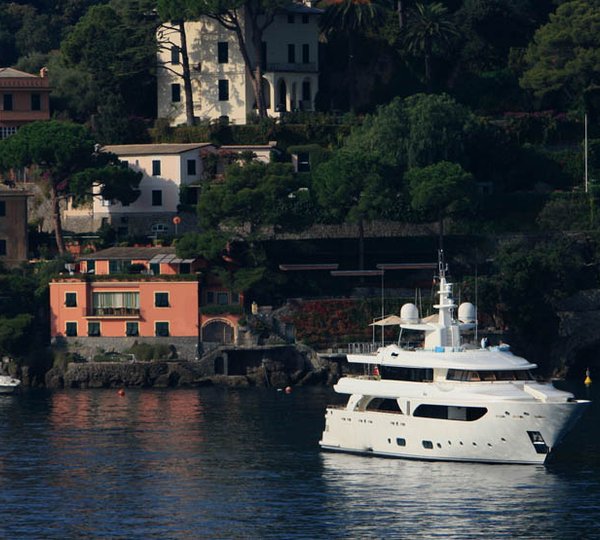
{"x":447,"y":400}
{"x":8,"y":384}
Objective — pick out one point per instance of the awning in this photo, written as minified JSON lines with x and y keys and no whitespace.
{"x":390,"y":320}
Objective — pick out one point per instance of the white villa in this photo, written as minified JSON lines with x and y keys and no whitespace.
{"x":165,"y":168}
{"x":220,"y":83}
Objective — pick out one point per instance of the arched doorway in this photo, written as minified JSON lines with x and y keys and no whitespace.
{"x":281,"y":96}
{"x":218,"y":331}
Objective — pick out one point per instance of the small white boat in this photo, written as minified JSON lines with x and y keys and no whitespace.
{"x":8,"y":384}
{"x":446,"y":400}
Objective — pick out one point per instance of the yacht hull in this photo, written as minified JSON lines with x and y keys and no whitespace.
{"x":505,"y":434}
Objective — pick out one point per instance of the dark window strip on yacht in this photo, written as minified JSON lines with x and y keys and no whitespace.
{"x":495,"y":375}
{"x":450,"y":412}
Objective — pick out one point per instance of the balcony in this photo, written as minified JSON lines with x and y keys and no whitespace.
{"x":115,"y":312}
{"x":310,"y":67}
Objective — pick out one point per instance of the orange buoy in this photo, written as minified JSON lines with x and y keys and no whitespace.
{"x":121,"y":392}
{"x":288,"y":389}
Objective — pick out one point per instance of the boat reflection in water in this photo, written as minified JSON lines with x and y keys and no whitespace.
{"x":391,"y":498}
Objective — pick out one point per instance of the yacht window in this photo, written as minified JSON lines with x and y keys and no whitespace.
{"x":427,"y":444}
{"x":406,"y":374}
{"x":449,"y":412}
{"x":400,"y":441}
{"x":385,"y":405}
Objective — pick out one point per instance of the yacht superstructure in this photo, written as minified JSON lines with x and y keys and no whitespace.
{"x":446,"y":400}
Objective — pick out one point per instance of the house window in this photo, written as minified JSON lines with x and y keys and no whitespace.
{"x":223,"y":90}
{"x":36,"y":102}
{"x":174,"y":54}
{"x":191,"y":167}
{"x":161,"y":329}
{"x":223,"y":52}
{"x":2,"y":208}
{"x":2,"y":247}
{"x":235,"y":298}
{"x":222,"y":298}
{"x":7,"y":102}
{"x":161,"y":299}
{"x":71,"y":299}
{"x":157,"y":197}
{"x":210,"y":297}
{"x":185,"y":268}
{"x":132,"y":329}
{"x":290,"y":18}
{"x":176,"y":93}
{"x":105,"y":202}
{"x":71,"y":329}
{"x":155,"y":269}
{"x":156,"y":167}
{"x":305,"y":19}
{"x":303,"y":162}
{"x":91,"y":267}
{"x":93,"y":329}
{"x":263,"y":54}
{"x":7,"y":131}
{"x":291,"y":53}
{"x":116,"y":303}
{"x":305,"y":53}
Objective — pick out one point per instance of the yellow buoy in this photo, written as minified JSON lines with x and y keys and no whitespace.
{"x":588,"y":379}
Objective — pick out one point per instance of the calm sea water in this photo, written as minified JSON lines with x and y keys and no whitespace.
{"x":223,"y":463}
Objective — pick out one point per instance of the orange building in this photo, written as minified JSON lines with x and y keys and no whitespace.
{"x":112,"y":298}
{"x":24,"y":98}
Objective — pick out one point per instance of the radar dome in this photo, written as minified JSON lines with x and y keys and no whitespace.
{"x":409,"y":313}
{"x":467,"y":313}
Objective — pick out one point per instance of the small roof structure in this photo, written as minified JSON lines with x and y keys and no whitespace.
{"x":12,"y":73}
{"x":155,"y":255}
{"x":153,"y":149}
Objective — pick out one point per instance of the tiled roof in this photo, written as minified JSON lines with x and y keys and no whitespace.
{"x":152,"y":149}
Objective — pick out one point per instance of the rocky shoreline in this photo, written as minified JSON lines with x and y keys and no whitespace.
{"x":181,"y":374}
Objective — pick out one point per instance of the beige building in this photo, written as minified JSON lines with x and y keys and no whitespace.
{"x":13,"y":226}
{"x":220,"y":83}
{"x":23,"y":98}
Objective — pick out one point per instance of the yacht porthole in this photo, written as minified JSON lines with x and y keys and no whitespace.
{"x":502,"y":439}
{"x":461,"y":443}
{"x":449,"y":443}
{"x":439,"y":445}
{"x":474,"y":444}
{"x":389,"y":441}
{"x":490,"y":445}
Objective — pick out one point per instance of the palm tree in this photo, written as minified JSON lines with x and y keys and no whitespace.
{"x":427,"y":30}
{"x":352,"y":17}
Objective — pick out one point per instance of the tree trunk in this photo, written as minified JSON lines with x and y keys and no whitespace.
{"x":254,"y":69}
{"x":187,"y":77}
{"x":58,"y":233}
{"x":400,"y":14}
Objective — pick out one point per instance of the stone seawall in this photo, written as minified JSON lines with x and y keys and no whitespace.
{"x":268,"y":367}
